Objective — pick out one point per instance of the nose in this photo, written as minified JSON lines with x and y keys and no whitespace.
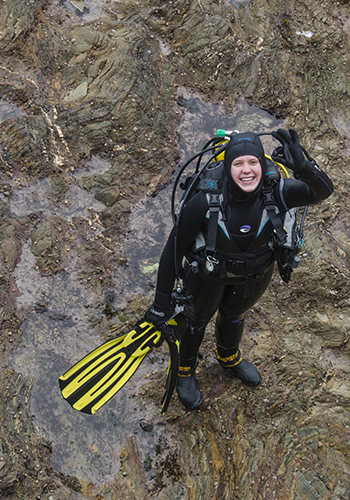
{"x":246,"y":167}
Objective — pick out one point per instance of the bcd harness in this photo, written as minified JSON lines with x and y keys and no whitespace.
{"x":286,"y":239}
{"x":284,"y":245}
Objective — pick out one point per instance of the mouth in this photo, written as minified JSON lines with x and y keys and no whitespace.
{"x":247,"y":180}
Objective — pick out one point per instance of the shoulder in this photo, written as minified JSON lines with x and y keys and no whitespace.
{"x":197,"y":206}
{"x":197,"y":200}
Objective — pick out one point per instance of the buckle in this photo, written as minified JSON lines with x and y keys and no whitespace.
{"x":269,"y":198}
{"x":214,"y":200}
{"x":240,"y":264}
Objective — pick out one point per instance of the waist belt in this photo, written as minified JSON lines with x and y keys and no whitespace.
{"x":248,"y":263}
{"x":224,"y":264}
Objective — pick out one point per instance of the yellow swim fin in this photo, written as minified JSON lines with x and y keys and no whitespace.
{"x":94,"y":380}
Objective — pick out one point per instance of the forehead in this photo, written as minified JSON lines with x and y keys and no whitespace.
{"x":245,"y":158}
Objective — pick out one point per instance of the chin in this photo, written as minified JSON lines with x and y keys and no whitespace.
{"x":249,"y":189}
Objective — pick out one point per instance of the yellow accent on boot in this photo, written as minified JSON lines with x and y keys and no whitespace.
{"x":225,"y":361}
{"x":234,"y":364}
{"x":186,"y":369}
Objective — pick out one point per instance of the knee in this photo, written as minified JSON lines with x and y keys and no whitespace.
{"x":229,"y":316}
{"x":195,"y":318}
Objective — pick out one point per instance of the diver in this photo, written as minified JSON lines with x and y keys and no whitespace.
{"x":229,"y":273}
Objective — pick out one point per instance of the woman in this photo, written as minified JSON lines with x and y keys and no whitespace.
{"x":244,"y":253}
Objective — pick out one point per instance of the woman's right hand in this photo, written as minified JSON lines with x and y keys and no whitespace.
{"x":160,"y":311}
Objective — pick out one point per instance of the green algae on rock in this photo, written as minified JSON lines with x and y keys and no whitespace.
{"x":50,"y":243}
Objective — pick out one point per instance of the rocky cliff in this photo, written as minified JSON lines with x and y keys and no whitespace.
{"x":86,"y":80}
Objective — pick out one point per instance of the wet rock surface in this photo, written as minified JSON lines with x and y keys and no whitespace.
{"x":98,"y":103}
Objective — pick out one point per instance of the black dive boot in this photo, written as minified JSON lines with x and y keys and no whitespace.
{"x":228,"y":331}
{"x":240,"y":368}
{"x":246,"y":372}
{"x":187,"y":387}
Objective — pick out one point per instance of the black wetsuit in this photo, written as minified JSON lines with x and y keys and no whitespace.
{"x":247,"y":230}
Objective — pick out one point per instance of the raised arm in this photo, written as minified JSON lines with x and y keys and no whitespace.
{"x":311,"y":184}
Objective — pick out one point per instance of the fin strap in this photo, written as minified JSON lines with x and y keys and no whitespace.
{"x":174,"y":348}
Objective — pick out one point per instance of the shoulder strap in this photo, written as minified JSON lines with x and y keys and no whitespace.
{"x":212,"y":184}
{"x":270,"y":205}
{"x":215,"y":203}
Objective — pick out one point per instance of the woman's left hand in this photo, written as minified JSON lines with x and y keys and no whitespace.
{"x":290,"y":154}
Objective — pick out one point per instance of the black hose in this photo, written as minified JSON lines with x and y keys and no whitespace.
{"x":301,"y":232}
{"x":183,"y":203}
{"x":199,"y":154}
{"x":215,"y":141}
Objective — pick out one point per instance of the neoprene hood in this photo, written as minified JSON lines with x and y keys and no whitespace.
{"x":247,"y":143}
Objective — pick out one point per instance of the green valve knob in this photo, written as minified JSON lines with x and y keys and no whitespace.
{"x":220,"y":132}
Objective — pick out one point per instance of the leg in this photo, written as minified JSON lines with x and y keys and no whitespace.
{"x":207,"y":296}
{"x":229,"y":329}
{"x":206,"y":299}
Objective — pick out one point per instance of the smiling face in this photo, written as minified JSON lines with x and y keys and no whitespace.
{"x":246,"y":172}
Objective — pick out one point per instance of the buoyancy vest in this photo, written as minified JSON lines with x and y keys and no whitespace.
{"x":215,"y":253}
